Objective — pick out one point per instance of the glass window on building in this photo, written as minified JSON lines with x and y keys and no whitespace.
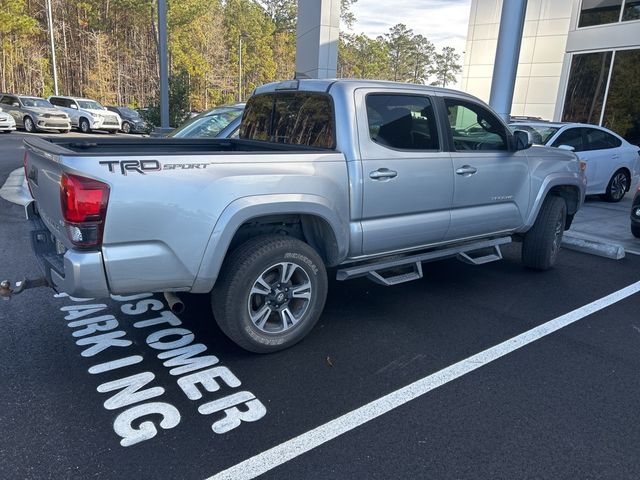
{"x":599,"y":12}
{"x":622,"y":111}
{"x":631,"y":10}
{"x":585,"y":90}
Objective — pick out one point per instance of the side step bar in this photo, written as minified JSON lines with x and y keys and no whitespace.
{"x":463,"y":252}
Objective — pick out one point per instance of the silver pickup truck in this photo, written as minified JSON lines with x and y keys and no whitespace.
{"x":372,"y":178}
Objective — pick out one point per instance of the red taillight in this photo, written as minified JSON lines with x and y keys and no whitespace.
{"x":84,"y":207}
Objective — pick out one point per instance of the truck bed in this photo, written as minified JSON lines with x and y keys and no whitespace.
{"x":158,"y":146}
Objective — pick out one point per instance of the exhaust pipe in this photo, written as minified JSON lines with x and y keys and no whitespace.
{"x":175,"y":304}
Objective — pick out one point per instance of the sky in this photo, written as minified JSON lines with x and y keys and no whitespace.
{"x":443,"y":22}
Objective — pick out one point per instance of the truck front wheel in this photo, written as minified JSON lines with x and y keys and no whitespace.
{"x":270,"y":293}
{"x":541,"y":244}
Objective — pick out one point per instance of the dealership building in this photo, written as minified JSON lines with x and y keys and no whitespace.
{"x":579,"y":61}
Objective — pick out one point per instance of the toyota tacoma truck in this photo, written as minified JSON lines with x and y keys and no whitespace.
{"x":369,"y":178}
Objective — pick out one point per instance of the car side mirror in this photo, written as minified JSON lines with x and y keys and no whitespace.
{"x":15,"y":104}
{"x":74,"y":106}
{"x":568,"y":148}
{"x":522,"y":139}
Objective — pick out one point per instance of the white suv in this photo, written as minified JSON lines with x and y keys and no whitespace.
{"x":87,"y":114}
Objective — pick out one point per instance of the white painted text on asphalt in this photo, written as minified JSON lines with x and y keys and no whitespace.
{"x":134,"y":395}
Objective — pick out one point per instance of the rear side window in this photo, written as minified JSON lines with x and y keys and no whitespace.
{"x":599,"y":140}
{"x":291,"y":118}
{"x":571,"y":137}
{"x":405,"y":122}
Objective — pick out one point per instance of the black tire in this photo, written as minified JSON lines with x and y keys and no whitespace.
{"x":234,"y":296}
{"x":635,"y":230}
{"x":618,"y":185}
{"x":541,"y":244}
{"x":84,"y":126}
{"x":29,"y":125}
{"x":126,"y":127}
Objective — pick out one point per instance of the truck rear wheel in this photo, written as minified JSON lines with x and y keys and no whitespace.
{"x":270,"y":293}
{"x":541,"y":244}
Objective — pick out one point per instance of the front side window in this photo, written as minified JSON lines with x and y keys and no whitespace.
{"x":599,"y":12}
{"x":473,"y":127}
{"x":56,"y":101}
{"x":600,"y":140}
{"x":291,"y":118}
{"x":405,"y":122}
{"x":6,"y":100}
{"x":571,"y":137}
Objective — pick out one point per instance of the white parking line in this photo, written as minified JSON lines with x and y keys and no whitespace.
{"x":272,"y":458}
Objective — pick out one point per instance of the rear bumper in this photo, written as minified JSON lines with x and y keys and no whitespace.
{"x":78,"y":273}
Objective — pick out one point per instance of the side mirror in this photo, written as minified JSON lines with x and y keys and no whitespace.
{"x":569,"y":148}
{"x":74,"y":106}
{"x":15,"y":104}
{"x":522,"y":139}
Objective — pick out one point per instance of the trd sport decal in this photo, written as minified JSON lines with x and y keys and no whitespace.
{"x":144,"y":166}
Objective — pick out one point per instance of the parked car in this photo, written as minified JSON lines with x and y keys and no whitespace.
{"x":34,"y":113}
{"x":132,"y":121}
{"x":635,"y":214}
{"x":7,"y":123}
{"x":612,"y":163}
{"x":219,"y":122}
{"x":87,"y":115}
{"x":372,"y":178}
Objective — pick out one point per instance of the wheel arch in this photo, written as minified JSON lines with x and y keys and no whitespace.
{"x":571,"y":191}
{"x":310,"y":218}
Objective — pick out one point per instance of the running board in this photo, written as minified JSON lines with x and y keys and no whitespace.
{"x":481,"y":259}
{"x":463,"y":252}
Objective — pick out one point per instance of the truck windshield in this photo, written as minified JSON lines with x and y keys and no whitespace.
{"x":292,"y":118}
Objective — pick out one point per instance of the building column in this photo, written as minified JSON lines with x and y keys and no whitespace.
{"x":507,"y":54}
{"x":317,"y":33}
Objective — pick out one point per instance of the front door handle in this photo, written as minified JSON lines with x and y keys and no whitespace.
{"x":383,"y":174}
{"x":466,"y":170}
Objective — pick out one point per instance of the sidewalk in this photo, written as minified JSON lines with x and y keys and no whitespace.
{"x":603,"y":222}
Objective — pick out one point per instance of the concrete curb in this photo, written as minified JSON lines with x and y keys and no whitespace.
{"x":610,"y":250}
{"x":15,"y":189}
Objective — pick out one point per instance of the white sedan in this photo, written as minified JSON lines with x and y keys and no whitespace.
{"x":7,"y":123}
{"x":613,"y":164}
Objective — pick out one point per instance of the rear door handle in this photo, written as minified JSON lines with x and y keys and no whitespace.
{"x":466,"y":170}
{"x":383,"y":174}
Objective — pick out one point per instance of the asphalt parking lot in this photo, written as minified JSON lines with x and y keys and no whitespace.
{"x":431,"y":379}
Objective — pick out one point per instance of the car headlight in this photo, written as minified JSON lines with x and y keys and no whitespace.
{"x":96,"y":115}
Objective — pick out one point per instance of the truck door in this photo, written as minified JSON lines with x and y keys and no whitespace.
{"x":491,"y":182}
{"x":407,"y":176}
